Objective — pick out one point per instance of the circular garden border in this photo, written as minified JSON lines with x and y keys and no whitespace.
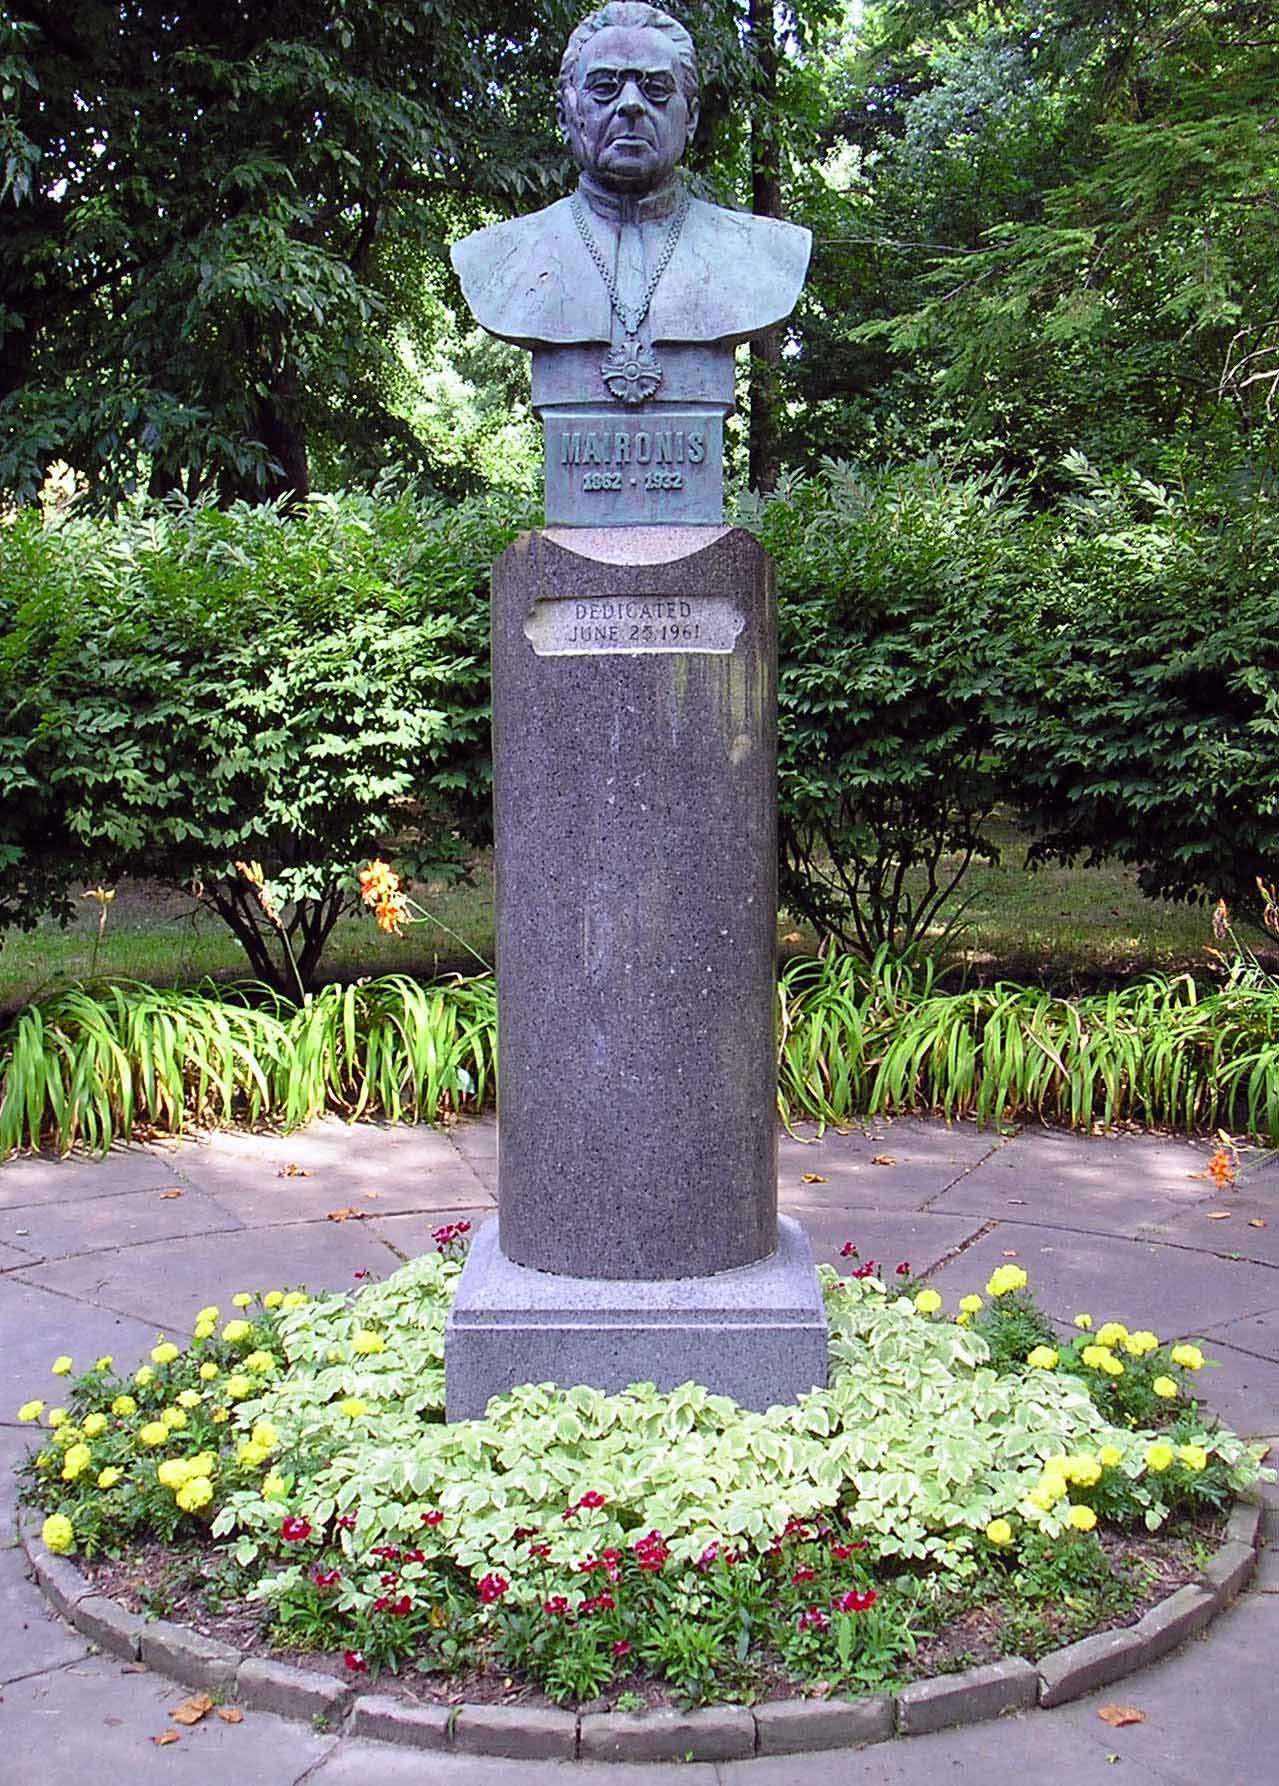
{"x":712,"y":1733}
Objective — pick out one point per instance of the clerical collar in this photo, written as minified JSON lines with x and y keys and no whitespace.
{"x":625,"y":207}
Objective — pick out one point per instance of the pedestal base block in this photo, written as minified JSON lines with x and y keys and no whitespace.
{"x":756,"y":1333}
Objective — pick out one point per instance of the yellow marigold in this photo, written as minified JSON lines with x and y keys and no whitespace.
{"x":1138,"y":1344}
{"x":260,"y":1363}
{"x":294,"y":1299}
{"x":1159,"y":1457}
{"x":205,"y":1330}
{"x":190,"y":1398}
{"x":104,"y":1363}
{"x":1005,"y":1279}
{"x":76,"y":1462}
{"x":124,"y":1405}
{"x":1083,"y":1469}
{"x":110,"y":1476}
{"x":353,"y":1407}
{"x":164,"y":1353}
{"x":143,"y":1376}
{"x":218,"y":1416}
{"x":30,"y":1411}
{"x":58,"y":1534}
{"x":970,"y":1306}
{"x":208,"y":1371}
{"x":1084,"y":1321}
{"x":1082,"y":1518}
{"x":66,"y":1435}
{"x":209,"y":1314}
{"x":1042,"y":1358}
{"x":928,"y":1302}
{"x":193,"y":1495}
{"x":1110,"y":1365}
{"x":235,"y":1332}
{"x":1193,"y":1456}
{"x":173,"y":1472}
{"x":252,"y":1456}
{"x":155,"y":1432}
{"x":367,"y":1342}
{"x":61,"y":1367}
{"x":174,"y":1418}
{"x":1190,"y":1358}
{"x":1093,"y":1355}
{"x":237,"y":1387}
{"x":93,"y":1425}
{"x":57,"y":1416}
{"x":1114,"y":1333}
{"x":266,"y":1435}
{"x":962,"y":1318}
{"x":999,"y":1532}
{"x":241,"y":1299}
{"x":273,"y":1486}
{"x":273,"y":1299}
{"x":203,"y":1463}
{"x":1110,"y":1457}
{"x":1165,"y":1387}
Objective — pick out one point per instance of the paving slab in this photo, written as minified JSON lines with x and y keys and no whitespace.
{"x":921,"y":1241}
{"x":476,"y":1141}
{"x":38,"y":1324}
{"x":363,"y":1762}
{"x":927,"y":1158}
{"x":44,"y":1178}
{"x":32,"y":1636}
{"x":166,"y":1284}
{"x":1242,"y":1391}
{"x":12,"y":1256}
{"x":1145,"y":1284}
{"x":409,"y":1235}
{"x":78,"y":1224}
{"x":15,"y":1444}
{"x":259,"y":1197}
{"x":1258,"y":1334}
{"x":92,"y":1721}
{"x":1110,"y":1185}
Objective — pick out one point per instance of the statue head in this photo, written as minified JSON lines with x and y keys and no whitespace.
{"x":628,"y":95}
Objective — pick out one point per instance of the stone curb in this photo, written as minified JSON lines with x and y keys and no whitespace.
{"x":713,"y":1733}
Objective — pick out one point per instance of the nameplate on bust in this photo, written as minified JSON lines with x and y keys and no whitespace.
{"x":611,"y":467}
{"x":568,"y":626}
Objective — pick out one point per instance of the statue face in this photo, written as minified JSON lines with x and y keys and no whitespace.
{"x":625,"y":116}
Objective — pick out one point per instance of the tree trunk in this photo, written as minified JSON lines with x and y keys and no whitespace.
{"x":766,"y":201}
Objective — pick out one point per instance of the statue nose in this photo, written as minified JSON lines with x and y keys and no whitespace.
{"x":632,"y":100}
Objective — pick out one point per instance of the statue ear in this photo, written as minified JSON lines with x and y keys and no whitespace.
{"x":694,"y":113}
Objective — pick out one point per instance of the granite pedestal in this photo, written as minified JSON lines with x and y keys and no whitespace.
{"x":634,"y":766}
{"x":757,"y":1334}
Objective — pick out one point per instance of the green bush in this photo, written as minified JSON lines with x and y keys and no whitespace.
{"x":186,"y":689}
{"x":892,"y":589}
{"x":1139,"y":713}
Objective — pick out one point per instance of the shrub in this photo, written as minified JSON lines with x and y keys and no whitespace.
{"x":186,"y":689}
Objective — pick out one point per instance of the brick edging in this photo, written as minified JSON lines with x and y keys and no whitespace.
{"x":713,"y":1733}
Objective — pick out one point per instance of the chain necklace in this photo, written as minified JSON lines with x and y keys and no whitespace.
{"x":631,"y":371}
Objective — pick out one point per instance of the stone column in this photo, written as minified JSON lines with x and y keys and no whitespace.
{"x":634,"y":734}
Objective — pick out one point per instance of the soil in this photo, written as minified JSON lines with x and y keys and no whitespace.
{"x":174,"y":1584}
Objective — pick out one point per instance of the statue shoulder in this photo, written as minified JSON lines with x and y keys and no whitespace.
{"x":527,"y":279}
{"x":735,"y":274}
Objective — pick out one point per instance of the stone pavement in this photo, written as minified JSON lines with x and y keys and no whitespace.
{"x":95,"y":1257}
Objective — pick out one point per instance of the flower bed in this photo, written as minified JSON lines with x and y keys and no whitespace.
{"x":965,"y":1487}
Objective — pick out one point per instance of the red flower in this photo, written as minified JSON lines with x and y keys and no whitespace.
{"x":355,"y":1662}
{"x":848,"y":1250}
{"x":866,"y":1270}
{"x":846,"y":1550}
{"x":803,"y":1574}
{"x":539,"y":1550}
{"x":589,"y":1565}
{"x":388,"y":1551}
{"x":592,"y":1499}
{"x":492,"y":1587}
{"x":621,"y":1647}
{"x":325,"y":1578}
{"x":903,"y":1270}
{"x":346,"y":1521}
{"x":415,"y":1556}
{"x":601,"y":1603}
{"x":651,"y":1552}
{"x":294,"y":1529}
{"x":462,"y":1227}
{"x":433,"y":1517}
{"x":814,"y":1619}
{"x":556,"y":1606}
{"x":389,"y":1581}
{"x":708,"y":1556}
{"x":402,"y":1606}
{"x":359,"y":1276}
{"x":853,"y":1601}
{"x":381,"y":1603}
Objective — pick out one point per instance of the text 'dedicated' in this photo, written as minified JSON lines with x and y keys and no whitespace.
{"x":569,"y":627}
